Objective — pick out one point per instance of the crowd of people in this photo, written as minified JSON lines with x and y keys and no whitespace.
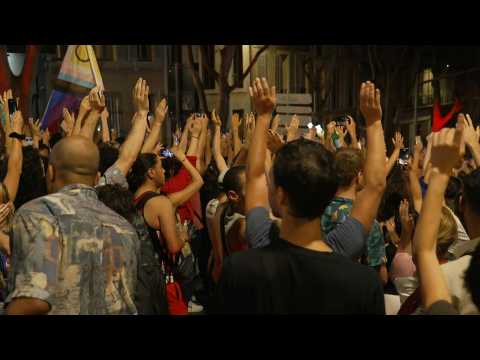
{"x":263,"y":219}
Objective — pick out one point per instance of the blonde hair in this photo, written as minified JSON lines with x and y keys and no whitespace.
{"x":447,"y":232}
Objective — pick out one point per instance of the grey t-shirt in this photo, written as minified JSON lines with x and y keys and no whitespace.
{"x":347,"y":239}
{"x":113,"y":176}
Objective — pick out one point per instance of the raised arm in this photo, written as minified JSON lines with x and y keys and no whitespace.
{"x":36,"y":132}
{"x":186,"y":130}
{"x":366,"y":204}
{"x":208,"y":149}
{"x":153,"y":138}
{"x":352,"y":130}
{"x":97,"y":103}
{"x":414,"y":178}
{"x":133,"y":144}
{"x":445,"y":154}
{"x":264,"y":100}
{"x":471,"y":139}
{"x":407,"y":228}
{"x":4,"y":99}
{"x":201,"y":167}
{"x":105,"y":129}
{"x":237,"y":144}
{"x":68,"y":123}
{"x":398,"y":145}
{"x":15,"y":159}
{"x":180,"y":197}
{"x":292,"y":129}
{"x":217,"y":147}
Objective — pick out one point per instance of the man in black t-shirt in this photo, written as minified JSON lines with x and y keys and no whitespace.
{"x":295,"y":269}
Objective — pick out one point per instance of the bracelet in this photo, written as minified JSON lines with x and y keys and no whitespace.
{"x":15,"y":135}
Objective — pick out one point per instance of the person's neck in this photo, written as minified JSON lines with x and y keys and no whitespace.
{"x":347,"y":192}
{"x":304,"y":233}
{"x":146,"y":187}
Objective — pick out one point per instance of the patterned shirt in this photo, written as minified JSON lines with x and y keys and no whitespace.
{"x":76,"y":254}
{"x":113,"y":176}
{"x":337,"y":212}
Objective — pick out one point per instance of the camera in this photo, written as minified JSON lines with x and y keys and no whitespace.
{"x":403,"y":157}
{"x":166,"y":153}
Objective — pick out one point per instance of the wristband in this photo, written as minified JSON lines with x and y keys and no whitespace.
{"x":15,"y":135}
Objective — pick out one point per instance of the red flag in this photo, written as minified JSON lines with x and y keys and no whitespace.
{"x":440,"y":121}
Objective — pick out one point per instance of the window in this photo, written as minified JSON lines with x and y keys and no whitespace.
{"x":144,"y":53}
{"x":104,"y":52}
{"x":114,"y":108}
{"x":446,"y":90}
{"x":238,"y":66}
{"x":208,"y":78}
{"x":426,"y":87}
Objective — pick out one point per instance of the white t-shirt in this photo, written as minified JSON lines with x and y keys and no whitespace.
{"x":462,"y":245}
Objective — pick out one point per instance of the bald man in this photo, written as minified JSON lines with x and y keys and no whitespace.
{"x":71,"y":254}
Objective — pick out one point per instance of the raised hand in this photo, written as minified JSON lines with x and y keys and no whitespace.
{"x":398,"y":141}
{"x":292,"y":129}
{"x":18,"y":122}
{"x":104,"y":115}
{"x":85,"y":105}
{"x":274,"y":141}
{"x":264,"y":97}
{"x":370,"y":105}
{"x":235,"y":121}
{"x":341,"y":132}
{"x":4,"y":100}
{"x":140,"y":96}
{"x":471,"y":136}
{"x":351,"y":126}
{"x":446,"y":149}
{"x":161,"y":111}
{"x":275,"y":123}
{"x":68,"y":121}
{"x":97,"y":99}
{"x":216,"y":119}
{"x":35,"y":127}
{"x":406,"y":219}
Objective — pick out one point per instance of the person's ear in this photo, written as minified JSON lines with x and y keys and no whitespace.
{"x":150,"y":173}
{"x":97,"y":178}
{"x":51,"y":173}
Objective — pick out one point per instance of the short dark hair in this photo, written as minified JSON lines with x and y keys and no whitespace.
{"x":348,"y":163}
{"x":108,"y":156}
{"x":471,"y":190}
{"x":231,"y":180}
{"x":118,"y":199}
{"x":137,"y":175}
{"x":306,"y":172}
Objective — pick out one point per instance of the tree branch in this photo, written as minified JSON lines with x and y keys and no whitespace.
{"x":252,"y":63}
{"x":210,"y":68}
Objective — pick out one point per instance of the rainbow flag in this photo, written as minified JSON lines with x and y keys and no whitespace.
{"x":78,"y":74}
